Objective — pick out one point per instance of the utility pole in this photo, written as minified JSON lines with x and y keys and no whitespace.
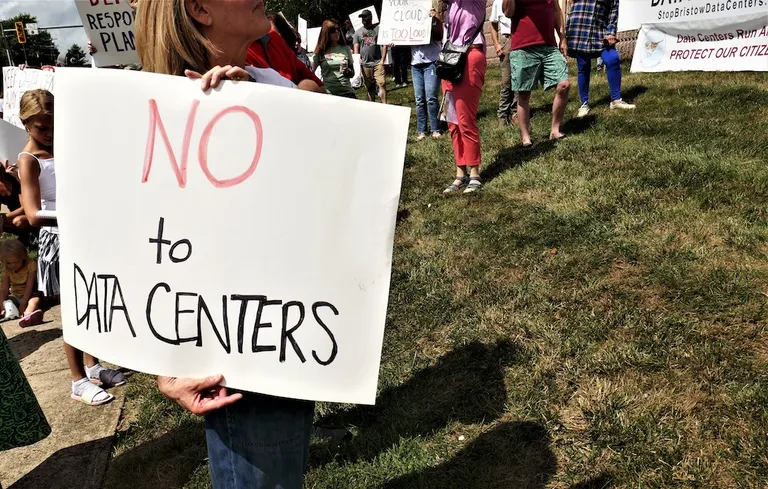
{"x":5,"y":42}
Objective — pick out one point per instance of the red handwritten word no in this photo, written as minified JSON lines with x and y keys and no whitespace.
{"x":180,"y":169}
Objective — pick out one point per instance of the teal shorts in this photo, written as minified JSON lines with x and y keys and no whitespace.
{"x":535,"y":64}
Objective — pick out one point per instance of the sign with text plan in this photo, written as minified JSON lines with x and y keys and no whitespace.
{"x":728,"y":44}
{"x":212,"y":243}
{"x":405,"y":22}
{"x":17,"y":81}
{"x":109,"y":26}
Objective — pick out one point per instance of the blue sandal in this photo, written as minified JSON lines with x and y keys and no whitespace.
{"x":453,"y":188}
{"x":475,"y":183}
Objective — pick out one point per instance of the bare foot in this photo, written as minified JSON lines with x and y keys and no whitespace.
{"x":556,"y":135}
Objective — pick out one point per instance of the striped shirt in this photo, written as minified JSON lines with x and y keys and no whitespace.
{"x":589,"y":21}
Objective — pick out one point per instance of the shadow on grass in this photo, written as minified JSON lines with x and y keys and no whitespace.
{"x":577,"y":126}
{"x":465,"y":386}
{"x":166,"y":462}
{"x":509,"y":158}
{"x":511,"y":455}
{"x":626,"y":95}
{"x":29,"y":342}
{"x":600,"y":482}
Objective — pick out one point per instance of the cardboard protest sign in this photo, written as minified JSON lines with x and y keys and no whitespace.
{"x":405,"y":22}
{"x":12,"y":141}
{"x":211,"y":242}
{"x":15,"y":83}
{"x":313,"y":35}
{"x":357,"y":22}
{"x":109,"y":26}
{"x":302,"y":30}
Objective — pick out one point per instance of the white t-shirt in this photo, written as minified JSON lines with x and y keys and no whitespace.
{"x":497,"y":16}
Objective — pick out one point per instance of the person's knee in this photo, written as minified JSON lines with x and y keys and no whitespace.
{"x":611,"y":58}
{"x":563,"y":87}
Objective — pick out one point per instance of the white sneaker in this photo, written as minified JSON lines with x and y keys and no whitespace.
{"x":421,"y":136}
{"x":583,"y":111}
{"x":620,"y":104}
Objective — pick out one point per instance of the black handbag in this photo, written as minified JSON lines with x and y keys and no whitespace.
{"x":453,"y":57}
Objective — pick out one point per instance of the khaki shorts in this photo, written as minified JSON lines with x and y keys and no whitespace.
{"x":544,"y":64}
{"x":373,"y":76}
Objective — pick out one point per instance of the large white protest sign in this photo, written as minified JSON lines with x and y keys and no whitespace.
{"x":302,"y":29}
{"x":15,"y":83}
{"x":405,"y":22}
{"x":357,"y":22}
{"x":633,"y":13}
{"x":211,"y":242}
{"x":728,"y":44}
{"x":313,"y":35}
{"x":109,"y":26}
{"x":12,"y":141}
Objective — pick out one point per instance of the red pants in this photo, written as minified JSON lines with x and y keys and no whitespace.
{"x":466,"y":94}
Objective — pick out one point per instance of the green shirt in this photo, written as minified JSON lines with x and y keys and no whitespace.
{"x":330,"y":65}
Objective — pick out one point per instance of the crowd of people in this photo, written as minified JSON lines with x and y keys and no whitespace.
{"x":255,"y":440}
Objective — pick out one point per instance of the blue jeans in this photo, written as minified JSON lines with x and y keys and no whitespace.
{"x":612,"y":70}
{"x":426,"y":86}
{"x":259,"y":442}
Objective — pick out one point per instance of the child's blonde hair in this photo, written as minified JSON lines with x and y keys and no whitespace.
{"x":12,"y":248}
{"x":35,"y":102}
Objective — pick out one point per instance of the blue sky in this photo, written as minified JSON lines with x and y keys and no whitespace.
{"x":49,"y":13}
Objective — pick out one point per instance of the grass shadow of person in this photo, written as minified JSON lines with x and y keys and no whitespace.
{"x":579,"y":125}
{"x":165,"y":462}
{"x":465,"y":385}
{"x":628,"y":95}
{"x":509,"y":158}
{"x":28,"y":342}
{"x":602,"y":481}
{"x":511,"y":455}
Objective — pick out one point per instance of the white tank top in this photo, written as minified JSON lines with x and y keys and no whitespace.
{"x":47,"y":187}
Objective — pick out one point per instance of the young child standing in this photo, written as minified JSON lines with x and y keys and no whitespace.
{"x":38,"y":192}
{"x":20,"y":278}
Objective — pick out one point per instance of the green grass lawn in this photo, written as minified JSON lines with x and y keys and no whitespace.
{"x":595,"y":317}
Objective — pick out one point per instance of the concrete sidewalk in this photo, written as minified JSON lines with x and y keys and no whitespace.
{"x":77,"y":452}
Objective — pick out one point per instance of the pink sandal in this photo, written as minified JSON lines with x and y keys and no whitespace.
{"x":32,"y":319}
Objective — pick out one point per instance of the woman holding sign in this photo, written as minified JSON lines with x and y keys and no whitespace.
{"x":254,"y":441}
{"x":335,"y":60}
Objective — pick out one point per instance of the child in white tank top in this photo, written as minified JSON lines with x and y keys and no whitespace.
{"x":38,"y":193}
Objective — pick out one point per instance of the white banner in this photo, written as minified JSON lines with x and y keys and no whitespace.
{"x":12,"y":142}
{"x":213,"y":243}
{"x":729,"y":44}
{"x":633,"y":13}
{"x":405,"y":22}
{"x":15,"y":83}
{"x":109,"y":26}
{"x":302,"y":29}
{"x":357,"y":22}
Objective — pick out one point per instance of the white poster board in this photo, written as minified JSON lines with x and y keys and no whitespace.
{"x":313,"y":35}
{"x":274,"y":263}
{"x":357,"y":22}
{"x":302,"y":29}
{"x":109,"y":26}
{"x":634,"y":13}
{"x":15,"y":83}
{"x":12,"y":141}
{"x":405,"y":22}
{"x":728,"y":44}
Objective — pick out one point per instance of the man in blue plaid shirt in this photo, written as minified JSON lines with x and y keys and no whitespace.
{"x":591,"y":33}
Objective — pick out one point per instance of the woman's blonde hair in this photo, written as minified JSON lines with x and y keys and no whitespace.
{"x":324,"y":40}
{"x":12,"y":247}
{"x":168,"y":40}
{"x":35,"y":102}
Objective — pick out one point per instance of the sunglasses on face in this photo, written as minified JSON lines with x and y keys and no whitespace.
{"x":334,"y":29}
